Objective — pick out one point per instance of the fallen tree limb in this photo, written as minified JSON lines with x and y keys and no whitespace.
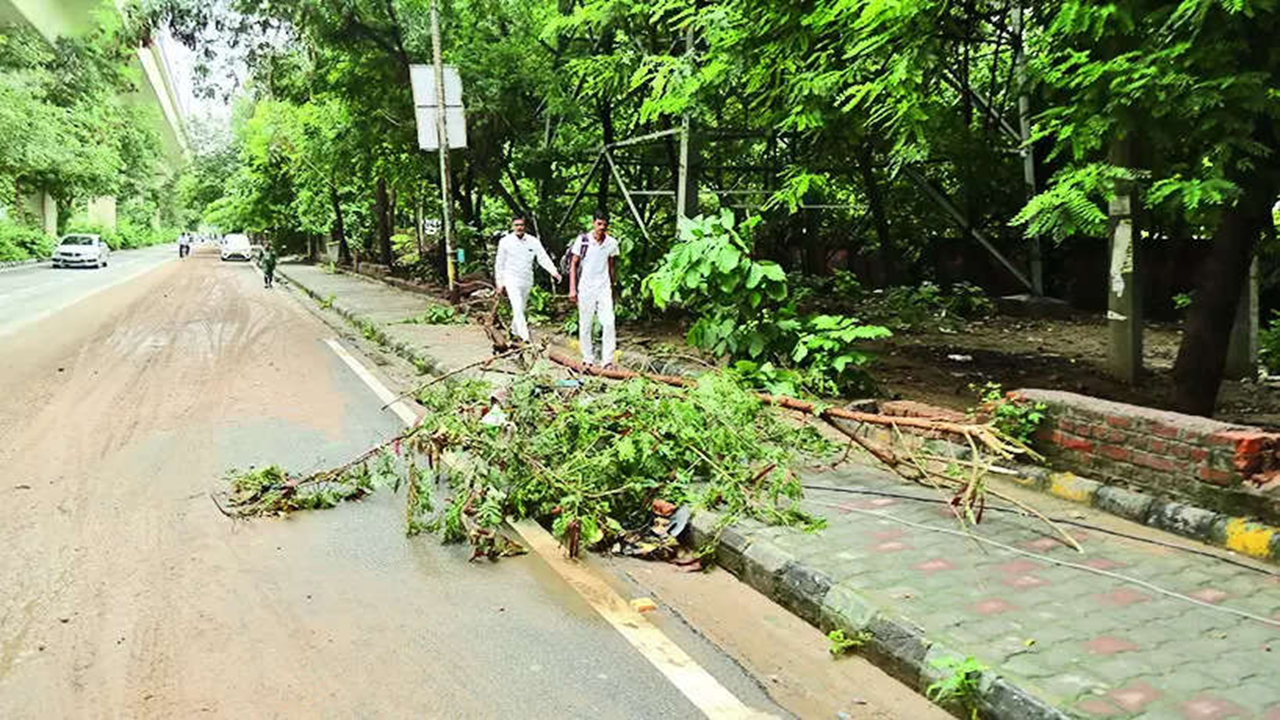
{"x":451,"y":373}
{"x":969,"y":493}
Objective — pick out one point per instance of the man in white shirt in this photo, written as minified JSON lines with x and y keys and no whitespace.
{"x":591,"y":277}
{"x":513,"y":271}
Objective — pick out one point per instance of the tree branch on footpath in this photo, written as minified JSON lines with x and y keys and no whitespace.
{"x":969,"y":500}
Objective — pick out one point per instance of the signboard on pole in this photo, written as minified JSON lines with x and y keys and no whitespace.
{"x":425,"y":106}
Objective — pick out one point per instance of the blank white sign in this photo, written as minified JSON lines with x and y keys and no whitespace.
{"x":454,"y":119}
{"x":423,"y":80}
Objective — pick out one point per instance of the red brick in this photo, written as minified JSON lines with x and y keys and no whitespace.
{"x":931,"y":566}
{"x":1114,"y":452}
{"x":1108,"y":645}
{"x":1123,"y":596}
{"x":1119,"y":421}
{"x":1207,"y":707}
{"x":1165,"y":431}
{"x":1159,"y":447}
{"x":1116,"y":436}
{"x":1071,"y":442}
{"x":1102,"y":563}
{"x":1217,"y":477}
{"x":1024,"y":582}
{"x":891,"y":546}
{"x":1156,"y":462}
{"x":1134,"y":696}
{"x":992,"y":607}
{"x":1209,"y":595}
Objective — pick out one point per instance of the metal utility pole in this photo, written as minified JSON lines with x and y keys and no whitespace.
{"x":1024,"y":134}
{"x":442,"y":130}
{"x":687,"y":181}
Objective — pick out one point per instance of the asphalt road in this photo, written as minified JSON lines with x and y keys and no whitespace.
{"x":125,"y":395}
{"x":30,"y":293}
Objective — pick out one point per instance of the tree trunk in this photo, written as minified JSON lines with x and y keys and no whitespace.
{"x":381,"y":208}
{"x":338,"y":231}
{"x":886,"y":264}
{"x":1202,"y":355}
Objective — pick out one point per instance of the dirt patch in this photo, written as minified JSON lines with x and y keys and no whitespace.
{"x":1066,"y":355}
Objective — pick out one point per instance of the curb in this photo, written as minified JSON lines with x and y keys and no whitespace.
{"x":897,"y":646}
{"x":369,"y":329}
{"x":10,"y":264}
{"x":1243,"y":535}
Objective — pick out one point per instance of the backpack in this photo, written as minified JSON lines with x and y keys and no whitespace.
{"x":566,"y":260}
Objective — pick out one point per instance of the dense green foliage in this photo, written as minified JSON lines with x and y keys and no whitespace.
{"x":587,"y":460}
{"x":824,"y":118}
{"x":69,"y":129}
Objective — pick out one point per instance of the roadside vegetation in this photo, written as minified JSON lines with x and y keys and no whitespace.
{"x":69,"y":129}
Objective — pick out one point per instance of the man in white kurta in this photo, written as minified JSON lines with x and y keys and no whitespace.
{"x":591,"y":283}
{"x":513,"y":271}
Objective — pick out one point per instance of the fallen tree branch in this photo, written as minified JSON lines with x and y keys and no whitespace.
{"x":969,"y":492}
{"x":451,"y":373}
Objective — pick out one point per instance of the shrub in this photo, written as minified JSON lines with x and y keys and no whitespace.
{"x":21,"y":242}
{"x":744,"y":310}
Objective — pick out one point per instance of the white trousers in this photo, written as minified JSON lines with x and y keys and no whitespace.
{"x":593,"y":303}
{"x":519,"y":297}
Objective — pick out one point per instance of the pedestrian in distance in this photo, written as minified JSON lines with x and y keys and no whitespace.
{"x":513,"y":271}
{"x":592,"y":274}
{"x":267,"y":261}
{"x":184,"y":245}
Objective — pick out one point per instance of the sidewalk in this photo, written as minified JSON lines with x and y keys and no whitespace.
{"x":1106,"y":637}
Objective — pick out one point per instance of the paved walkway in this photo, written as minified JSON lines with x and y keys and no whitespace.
{"x":1106,"y":638}
{"x":1097,"y":640}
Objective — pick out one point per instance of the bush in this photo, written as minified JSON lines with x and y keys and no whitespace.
{"x":20,"y":242}
{"x":744,"y":310}
{"x":1269,"y":344}
{"x":126,"y":235}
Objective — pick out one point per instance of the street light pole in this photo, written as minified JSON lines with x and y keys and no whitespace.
{"x":442,"y":132}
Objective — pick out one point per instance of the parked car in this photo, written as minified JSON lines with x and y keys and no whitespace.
{"x":81,"y":251}
{"x":236,"y":245}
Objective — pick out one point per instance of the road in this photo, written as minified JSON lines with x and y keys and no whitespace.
{"x":30,"y":293}
{"x":127,"y":594}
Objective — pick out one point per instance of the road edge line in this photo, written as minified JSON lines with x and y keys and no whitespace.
{"x":693,"y":681}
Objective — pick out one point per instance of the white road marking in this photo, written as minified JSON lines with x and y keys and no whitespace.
{"x":698,"y":685}
{"x":402,"y":411}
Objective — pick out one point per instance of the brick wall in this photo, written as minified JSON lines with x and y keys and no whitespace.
{"x":1212,"y":464}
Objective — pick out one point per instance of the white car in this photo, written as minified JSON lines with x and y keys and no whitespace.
{"x":81,"y":251}
{"x":237,"y":246}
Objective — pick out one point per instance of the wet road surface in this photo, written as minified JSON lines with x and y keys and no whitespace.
{"x":126,"y":594}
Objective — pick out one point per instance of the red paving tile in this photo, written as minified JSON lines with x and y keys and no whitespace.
{"x":1025,"y":582}
{"x":1123,"y":597}
{"x":1134,"y":696}
{"x":1207,"y":707}
{"x":1209,"y":595}
{"x":1108,"y":645}
{"x":992,"y":607}
{"x":935,"y":565}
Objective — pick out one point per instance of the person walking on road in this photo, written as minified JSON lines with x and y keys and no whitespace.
{"x":592,"y":274}
{"x":513,"y":271}
{"x":184,"y":245}
{"x":267,"y":261}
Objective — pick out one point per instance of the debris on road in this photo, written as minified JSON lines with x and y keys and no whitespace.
{"x":614,"y":466}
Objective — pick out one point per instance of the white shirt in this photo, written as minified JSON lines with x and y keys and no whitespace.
{"x":595,"y":266}
{"x":514,"y":265}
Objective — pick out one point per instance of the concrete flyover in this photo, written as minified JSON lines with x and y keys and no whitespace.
{"x":55,"y":18}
